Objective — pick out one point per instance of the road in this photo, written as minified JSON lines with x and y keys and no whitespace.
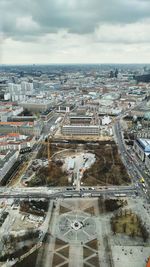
{"x":134,"y":169}
{"x":49,"y":124}
{"x":63,"y":192}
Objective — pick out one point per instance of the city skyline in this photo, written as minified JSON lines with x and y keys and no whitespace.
{"x":65,"y":32}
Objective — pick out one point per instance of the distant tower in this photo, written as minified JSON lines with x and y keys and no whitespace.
{"x":82,"y":102}
{"x":116,"y":73}
{"x":111,"y":75}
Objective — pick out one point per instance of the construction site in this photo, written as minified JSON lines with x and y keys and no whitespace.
{"x":92,"y":163}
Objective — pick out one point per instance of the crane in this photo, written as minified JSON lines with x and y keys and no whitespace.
{"x":47,"y":142}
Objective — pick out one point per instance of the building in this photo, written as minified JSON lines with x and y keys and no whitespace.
{"x":22,"y":118}
{"x":27,"y":128}
{"x":8,"y":112}
{"x":15,"y":92}
{"x":18,"y":92}
{"x":106,"y":120}
{"x":80,"y":120}
{"x":7,"y":160}
{"x":27,"y":87}
{"x":63,"y":108}
{"x":143,"y":78}
{"x":148,"y":263}
{"x":142,"y":148}
{"x":71,"y":164}
{"x":36,"y":104}
{"x":47,"y":115}
{"x":80,"y":130}
{"x":16,"y":141}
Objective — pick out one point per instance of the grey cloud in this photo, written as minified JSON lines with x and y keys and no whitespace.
{"x":76,"y":16}
{"x":84,"y":16}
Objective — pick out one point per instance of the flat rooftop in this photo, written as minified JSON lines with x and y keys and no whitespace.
{"x":81,"y":126}
{"x":144,"y":143}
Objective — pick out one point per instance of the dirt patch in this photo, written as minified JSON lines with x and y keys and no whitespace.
{"x":87,"y":252}
{"x":110,"y":205}
{"x":108,"y":168}
{"x":59,"y":243}
{"x":57,"y":260}
{"x":51,"y":175}
{"x":65,"y":265}
{"x":90,"y":210}
{"x":64,"y":252}
{"x":63,"y":210}
{"x":29,"y":261}
{"x":94,"y":261}
{"x":92,"y":244}
{"x":128,"y":223}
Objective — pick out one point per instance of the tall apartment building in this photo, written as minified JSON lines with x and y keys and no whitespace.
{"x":18,"y":92}
{"x":27,"y":87}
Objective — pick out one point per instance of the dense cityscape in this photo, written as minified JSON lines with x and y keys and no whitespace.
{"x":75,"y":165}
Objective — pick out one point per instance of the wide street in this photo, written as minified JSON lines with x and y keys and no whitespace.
{"x":133,"y":167}
{"x":45,"y":192}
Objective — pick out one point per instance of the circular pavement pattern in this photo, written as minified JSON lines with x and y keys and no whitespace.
{"x":75,"y":226}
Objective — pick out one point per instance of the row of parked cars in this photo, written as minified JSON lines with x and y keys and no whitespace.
{"x":81,"y":189}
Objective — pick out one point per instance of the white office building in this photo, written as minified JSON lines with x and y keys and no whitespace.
{"x":80,"y":130}
{"x":142,"y":148}
{"x":106,"y":120}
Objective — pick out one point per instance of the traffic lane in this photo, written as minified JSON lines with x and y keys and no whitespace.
{"x":72,"y":193}
{"x":47,"y":190}
{"x":140,"y":172}
{"x":49,"y":124}
{"x":133,"y":165}
{"x":124,"y":153}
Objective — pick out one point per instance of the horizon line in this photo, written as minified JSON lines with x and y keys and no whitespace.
{"x":36,"y":64}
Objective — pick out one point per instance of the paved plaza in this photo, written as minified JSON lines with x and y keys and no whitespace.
{"x":80,"y":235}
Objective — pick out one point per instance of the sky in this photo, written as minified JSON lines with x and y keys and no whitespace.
{"x":74,"y":31}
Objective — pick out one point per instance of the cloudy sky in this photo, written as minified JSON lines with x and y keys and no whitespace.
{"x":74,"y":31}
